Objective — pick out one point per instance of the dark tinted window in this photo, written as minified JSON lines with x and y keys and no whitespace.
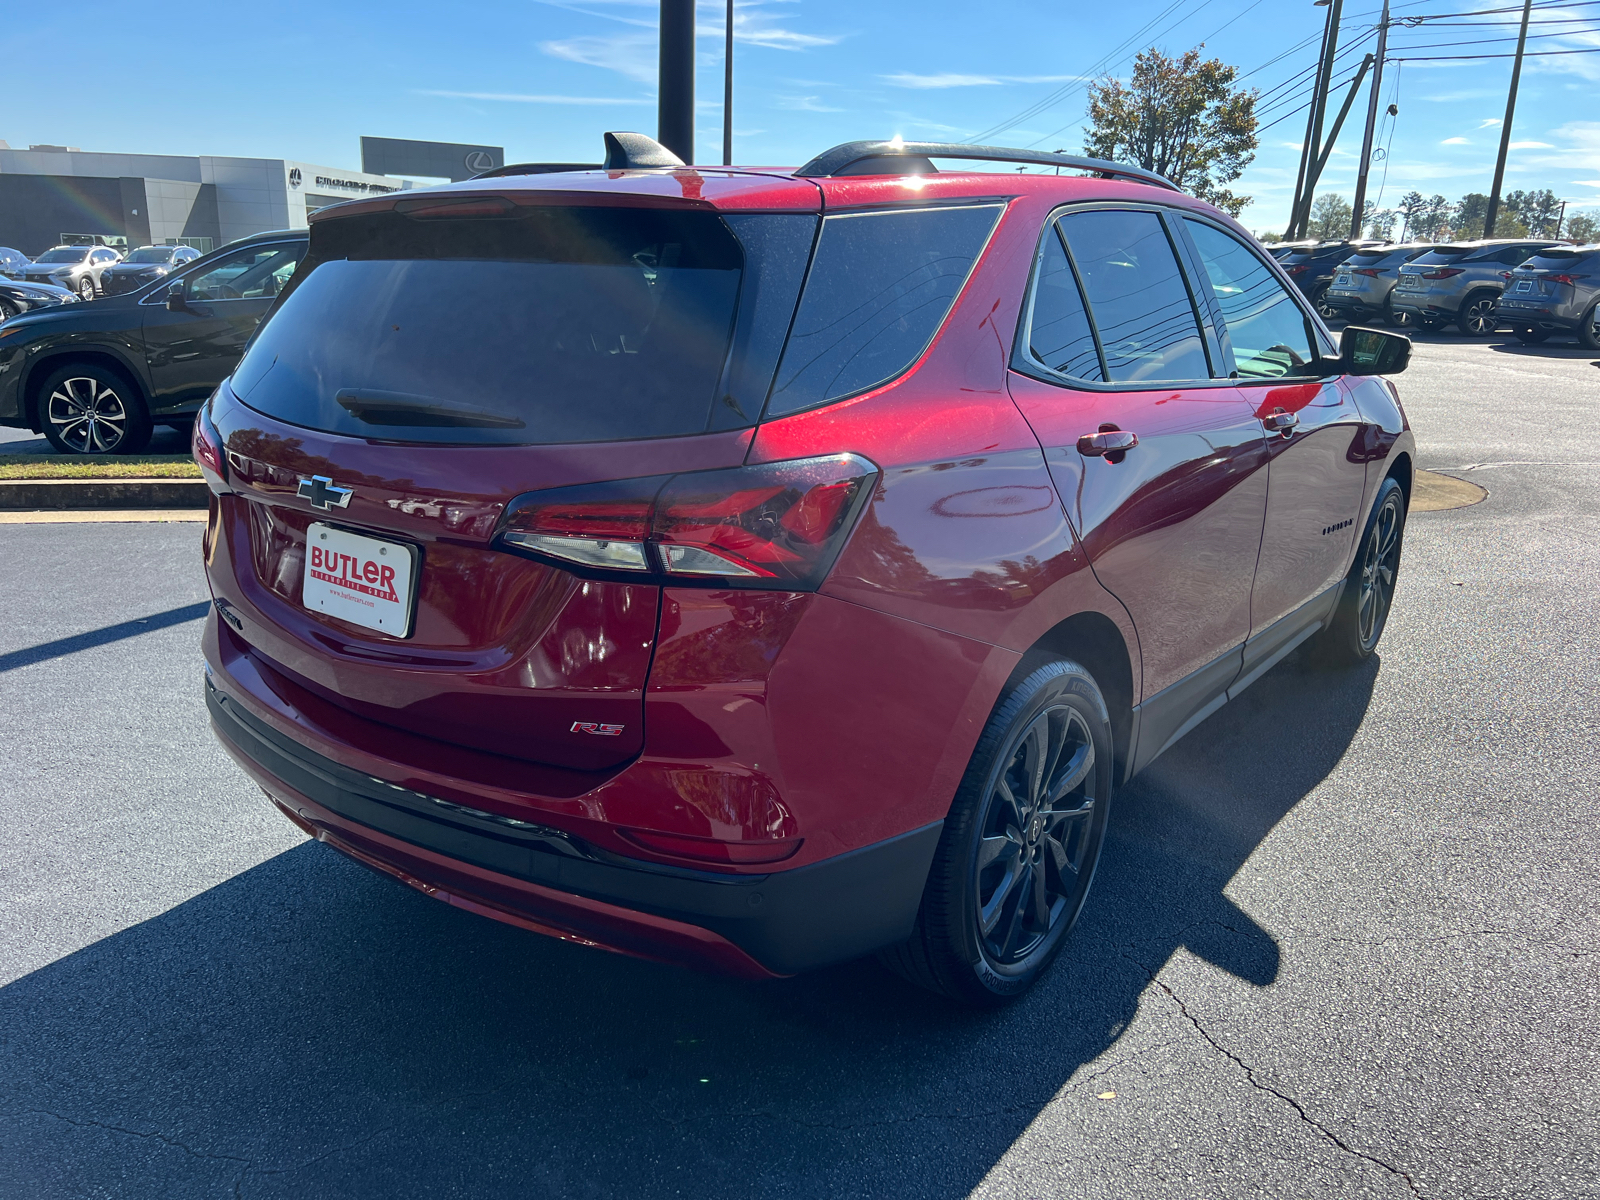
{"x":777,"y":247}
{"x":880,"y":286}
{"x":64,"y":254}
{"x":542,"y":324}
{"x":1059,"y":335}
{"x":1148,"y":327}
{"x":1265,"y":326}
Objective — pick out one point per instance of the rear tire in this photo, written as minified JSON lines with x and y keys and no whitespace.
{"x":1358,"y":622}
{"x":1399,"y":320}
{"x":1019,"y":848}
{"x":1326,"y":311}
{"x":1477,"y":316}
{"x":1589,"y":328}
{"x":86,"y":408}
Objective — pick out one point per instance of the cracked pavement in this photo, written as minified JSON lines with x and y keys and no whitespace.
{"x":1342,"y":942}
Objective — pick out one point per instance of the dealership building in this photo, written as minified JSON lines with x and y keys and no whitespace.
{"x":51,"y":194}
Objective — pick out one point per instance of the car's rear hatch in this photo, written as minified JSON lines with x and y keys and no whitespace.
{"x":440,"y":355}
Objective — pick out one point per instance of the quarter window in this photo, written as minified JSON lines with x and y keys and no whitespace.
{"x":1266,"y":327}
{"x":1149,"y":330}
{"x":881,"y":284}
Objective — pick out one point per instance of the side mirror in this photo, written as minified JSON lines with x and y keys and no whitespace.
{"x":1373,"y":351}
{"x":175,"y":301}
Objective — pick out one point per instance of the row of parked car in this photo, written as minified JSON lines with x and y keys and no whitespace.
{"x":1539,"y":288}
{"x":64,"y":274}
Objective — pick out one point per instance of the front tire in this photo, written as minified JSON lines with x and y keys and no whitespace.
{"x":1019,"y":849}
{"x":1358,"y":622}
{"x":85,"y":408}
{"x":86,"y":288}
{"x":1477,"y":317}
{"x":7,"y":309}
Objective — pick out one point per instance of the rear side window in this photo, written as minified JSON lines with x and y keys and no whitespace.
{"x":1059,"y":335}
{"x":1149,"y":330}
{"x":532,"y":324}
{"x":881,"y":284}
{"x":1266,"y":327}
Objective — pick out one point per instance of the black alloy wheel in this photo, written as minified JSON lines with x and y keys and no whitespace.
{"x":7,"y":309}
{"x":89,"y":409}
{"x":1477,"y":317}
{"x":1018,"y":852}
{"x":86,"y":288}
{"x":1325,"y":310}
{"x":1364,"y":604}
{"x":1529,"y":336}
{"x":1589,"y":328}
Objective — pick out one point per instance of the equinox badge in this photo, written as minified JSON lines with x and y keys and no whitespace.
{"x":324,"y":493}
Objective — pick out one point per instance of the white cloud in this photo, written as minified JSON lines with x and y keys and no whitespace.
{"x":805,"y":104}
{"x":1456,"y":141}
{"x":1490,"y":123}
{"x":1531,"y":146}
{"x":521,"y":98}
{"x":631,"y":54}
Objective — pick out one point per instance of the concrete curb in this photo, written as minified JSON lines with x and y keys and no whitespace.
{"x":102,"y":493}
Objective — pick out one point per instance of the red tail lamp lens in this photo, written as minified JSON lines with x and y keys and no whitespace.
{"x":784,"y":522}
{"x":206,"y":444}
{"x":1565,"y":278}
{"x":778,"y":525}
{"x":1443,"y":273}
{"x":1370,"y":271}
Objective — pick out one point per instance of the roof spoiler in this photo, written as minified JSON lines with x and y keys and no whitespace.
{"x":899,"y":158}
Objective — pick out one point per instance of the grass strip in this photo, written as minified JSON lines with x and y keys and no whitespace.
{"x":52,"y":466}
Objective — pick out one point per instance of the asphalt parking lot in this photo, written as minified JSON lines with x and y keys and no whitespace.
{"x":1345,"y":939}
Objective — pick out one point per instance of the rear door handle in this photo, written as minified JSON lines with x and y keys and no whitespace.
{"x":1109,"y":441}
{"x":1278,"y":421}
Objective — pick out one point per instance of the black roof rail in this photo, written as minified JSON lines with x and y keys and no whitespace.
{"x":868,"y":158}
{"x":534,"y":169}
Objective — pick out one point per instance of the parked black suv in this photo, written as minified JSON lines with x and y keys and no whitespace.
{"x":95,"y":378}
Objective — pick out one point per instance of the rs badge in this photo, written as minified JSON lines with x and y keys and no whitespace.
{"x":597,"y":729}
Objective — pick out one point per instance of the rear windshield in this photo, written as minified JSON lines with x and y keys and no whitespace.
{"x":1445,"y":253}
{"x":151,"y":254}
{"x":531,"y":324}
{"x":64,"y":254}
{"x":1561,"y":260}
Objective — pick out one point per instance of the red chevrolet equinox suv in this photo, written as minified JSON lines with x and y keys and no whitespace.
{"x":756,"y":568}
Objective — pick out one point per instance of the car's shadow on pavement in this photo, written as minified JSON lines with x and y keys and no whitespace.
{"x":310,"y":1029}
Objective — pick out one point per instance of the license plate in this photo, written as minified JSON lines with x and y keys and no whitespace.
{"x":1411,"y":283}
{"x":1341,"y":281}
{"x":1523,"y":285}
{"x":363,"y":580}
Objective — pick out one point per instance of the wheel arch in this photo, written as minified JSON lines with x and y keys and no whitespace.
{"x":43,"y":367}
{"x":1401,"y":471}
{"x":1092,"y":640}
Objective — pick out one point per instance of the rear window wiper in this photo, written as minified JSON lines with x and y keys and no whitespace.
{"x":401,"y":408}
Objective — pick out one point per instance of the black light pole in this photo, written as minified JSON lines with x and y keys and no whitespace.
{"x":1505,"y":128}
{"x":1308,"y":148}
{"x":675,"y":121}
{"x":727,"y":92}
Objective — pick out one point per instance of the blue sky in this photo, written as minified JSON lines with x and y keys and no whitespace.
{"x":544,"y":77}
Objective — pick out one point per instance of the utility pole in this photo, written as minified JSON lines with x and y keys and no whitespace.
{"x":1372,"y":124}
{"x":1319,"y":109}
{"x":1561,"y":220}
{"x":727,"y":92}
{"x":675,"y":103}
{"x":1505,"y":128}
{"x":1308,"y":148}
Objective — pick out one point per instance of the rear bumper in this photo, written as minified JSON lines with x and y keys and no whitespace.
{"x":547,"y":880}
{"x":1561,"y":317}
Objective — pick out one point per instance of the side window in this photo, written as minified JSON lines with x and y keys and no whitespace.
{"x":881,"y":284}
{"x":1267,"y":328}
{"x":1059,"y":336}
{"x":1149,"y":330}
{"x":255,"y":274}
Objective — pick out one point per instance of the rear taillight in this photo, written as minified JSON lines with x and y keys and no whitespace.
{"x":1443,"y":273}
{"x":1565,"y":278}
{"x":1371,"y":272}
{"x":206,"y":444}
{"x":775,"y":525}
{"x":1300,"y":270}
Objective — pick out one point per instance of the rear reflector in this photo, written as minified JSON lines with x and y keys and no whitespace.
{"x":775,"y":525}
{"x":710,"y":850}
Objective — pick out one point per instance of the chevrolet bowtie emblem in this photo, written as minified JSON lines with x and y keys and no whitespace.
{"x":324,"y":493}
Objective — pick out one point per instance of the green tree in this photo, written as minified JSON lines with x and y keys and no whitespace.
{"x":1469,"y":215}
{"x":1411,"y":206}
{"x":1433,"y":220}
{"x":1380,"y":223}
{"x":1537,"y":211}
{"x":1582,"y":227}
{"x":1181,"y":118}
{"x":1330,"y":217}
{"x":1269,"y":238}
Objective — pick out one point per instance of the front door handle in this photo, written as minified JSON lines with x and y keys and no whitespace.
{"x":1278,"y":421}
{"x":1111,"y":442}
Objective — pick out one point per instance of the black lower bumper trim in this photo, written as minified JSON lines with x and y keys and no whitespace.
{"x":788,"y":921}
